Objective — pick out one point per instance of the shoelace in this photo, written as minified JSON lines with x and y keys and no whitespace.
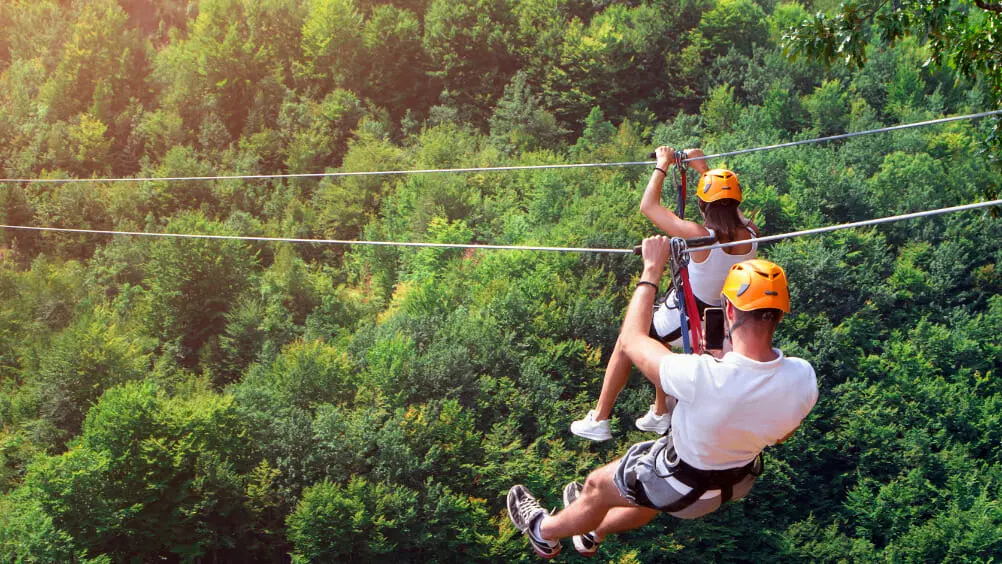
{"x":526,"y":507}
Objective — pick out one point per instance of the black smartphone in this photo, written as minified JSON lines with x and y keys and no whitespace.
{"x":713,"y":328}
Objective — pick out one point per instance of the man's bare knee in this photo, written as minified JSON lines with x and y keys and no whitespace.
{"x":600,"y":488}
{"x":593,"y":484}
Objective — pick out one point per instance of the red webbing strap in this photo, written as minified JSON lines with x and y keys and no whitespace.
{"x":695,"y":321}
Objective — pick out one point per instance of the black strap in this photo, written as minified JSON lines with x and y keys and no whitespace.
{"x":685,"y":501}
{"x":702,"y":481}
{"x":676,"y":333}
{"x":726,"y":493}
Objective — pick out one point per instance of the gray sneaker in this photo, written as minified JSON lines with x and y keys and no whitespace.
{"x":523,"y":510}
{"x":585,"y":544}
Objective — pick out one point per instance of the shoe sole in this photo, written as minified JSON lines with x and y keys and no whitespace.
{"x":591,"y":436}
{"x":543,"y":555}
{"x":657,"y":430}
{"x":579,"y":546}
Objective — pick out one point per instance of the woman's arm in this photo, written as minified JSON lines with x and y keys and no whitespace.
{"x":698,"y":165}
{"x":663,"y":218}
{"x":652,"y":195}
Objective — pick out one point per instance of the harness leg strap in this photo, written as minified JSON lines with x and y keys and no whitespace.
{"x":685,"y":501}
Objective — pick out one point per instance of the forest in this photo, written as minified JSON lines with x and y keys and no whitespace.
{"x":202,"y":400}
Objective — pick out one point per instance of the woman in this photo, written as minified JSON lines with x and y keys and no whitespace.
{"x":719,"y":195}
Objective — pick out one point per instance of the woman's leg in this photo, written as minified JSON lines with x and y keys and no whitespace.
{"x":663,"y":403}
{"x":617,"y":374}
{"x":667,"y":325}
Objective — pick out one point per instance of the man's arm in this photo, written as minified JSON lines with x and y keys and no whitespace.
{"x":643,"y":351}
{"x":788,"y":435}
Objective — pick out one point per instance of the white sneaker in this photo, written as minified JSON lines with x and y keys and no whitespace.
{"x":591,"y":429}
{"x":654,"y":423}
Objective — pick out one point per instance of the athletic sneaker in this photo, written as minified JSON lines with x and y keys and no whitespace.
{"x":654,"y":423}
{"x":524,"y":511}
{"x":585,"y":544}
{"x":591,"y":429}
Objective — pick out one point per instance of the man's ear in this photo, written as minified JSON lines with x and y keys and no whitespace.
{"x":728,"y":318}
{"x":729,"y":310}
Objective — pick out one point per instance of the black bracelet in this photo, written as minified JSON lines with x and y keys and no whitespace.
{"x":661,"y":170}
{"x":646,"y":283}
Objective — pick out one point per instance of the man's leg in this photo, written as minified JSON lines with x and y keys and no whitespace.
{"x":620,"y":519}
{"x":589,"y":510}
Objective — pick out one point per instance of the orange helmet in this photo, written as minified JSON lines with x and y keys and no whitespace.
{"x":718,"y":184}
{"x":757,"y":284}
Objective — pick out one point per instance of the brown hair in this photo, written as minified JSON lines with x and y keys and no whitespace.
{"x":722,"y":217}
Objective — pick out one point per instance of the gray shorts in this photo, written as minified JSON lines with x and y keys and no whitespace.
{"x":648,"y":467}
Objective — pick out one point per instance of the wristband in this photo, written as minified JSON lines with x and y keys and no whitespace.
{"x":661,"y":170}
{"x":646,"y":283}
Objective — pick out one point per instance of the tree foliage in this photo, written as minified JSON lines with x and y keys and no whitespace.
{"x":214,"y":399}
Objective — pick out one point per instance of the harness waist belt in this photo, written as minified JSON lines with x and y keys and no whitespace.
{"x":702,"y":481}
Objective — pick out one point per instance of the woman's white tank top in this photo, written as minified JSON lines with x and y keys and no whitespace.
{"x":707,"y":277}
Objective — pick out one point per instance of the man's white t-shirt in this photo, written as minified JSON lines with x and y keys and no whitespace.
{"x":730,"y":409}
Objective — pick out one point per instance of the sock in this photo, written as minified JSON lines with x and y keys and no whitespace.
{"x":535,"y":529}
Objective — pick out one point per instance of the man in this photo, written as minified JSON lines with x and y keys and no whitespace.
{"x":728,"y":410}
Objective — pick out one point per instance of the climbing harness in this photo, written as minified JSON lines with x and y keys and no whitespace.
{"x":692,"y":331}
{"x":685,"y":301}
{"x":702,"y":481}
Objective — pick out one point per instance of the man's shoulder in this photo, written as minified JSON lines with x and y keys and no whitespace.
{"x":799,"y":363}
{"x":802,"y":372}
